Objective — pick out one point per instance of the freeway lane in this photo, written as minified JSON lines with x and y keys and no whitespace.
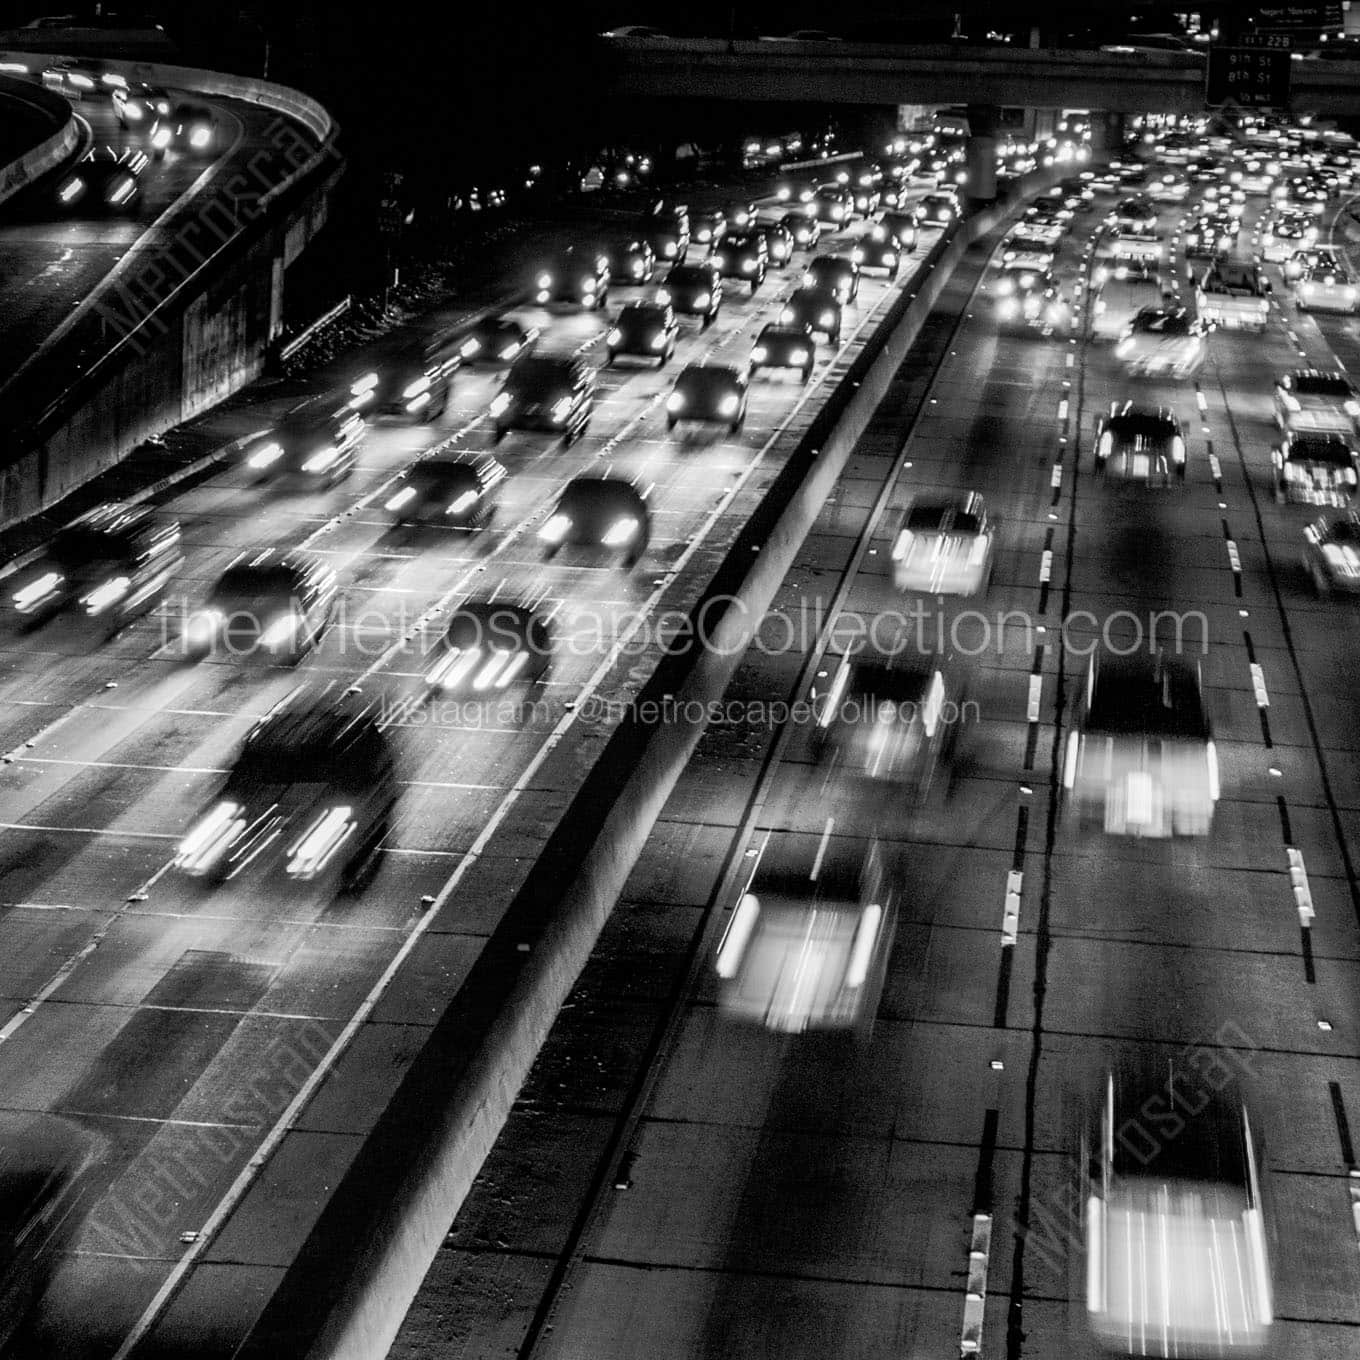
{"x":149,"y":1009}
{"x":720,"y":1191}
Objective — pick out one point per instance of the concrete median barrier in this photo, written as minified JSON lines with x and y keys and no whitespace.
{"x":350,"y":1286}
{"x":47,"y":154}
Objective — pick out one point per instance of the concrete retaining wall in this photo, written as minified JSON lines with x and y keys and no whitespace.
{"x":346,"y":1294}
{"x":186,"y":327}
{"x":52,"y":150}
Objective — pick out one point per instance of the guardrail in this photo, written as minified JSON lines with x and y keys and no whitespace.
{"x":51,"y":151}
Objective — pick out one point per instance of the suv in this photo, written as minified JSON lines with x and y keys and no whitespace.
{"x":408,"y":382}
{"x":693,"y":289}
{"x":113,"y":562}
{"x":742,"y":255}
{"x":576,"y":274}
{"x":313,"y":444}
{"x":312,"y":791}
{"x":647,"y":330}
{"x":1140,"y":443}
{"x":545,"y":392}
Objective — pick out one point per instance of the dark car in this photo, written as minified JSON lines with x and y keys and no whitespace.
{"x":312,"y":792}
{"x":898,"y":225}
{"x":665,"y":227}
{"x":453,"y":493}
{"x":740,"y":215}
{"x":1315,"y":468}
{"x":545,"y":392}
{"x":785,"y":347}
{"x":313,"y":445}
{"x":806,"y":231}
{"x":409,"y":380}
{"x":741,"y":255}
{"x":490,"y":645}
{"x":1140,"y":443}
{"x":707,"y":227}
{"x":872,"y":253}
{"x":112,"y":565}
{"x":496,"y":340}
{"x":1041,"y":308}
{"x":834,"y":274}
{"x":631,"y":260}
{"x":711,"y":393}
{"x":599,"y":512}
{"x":816,"y":309}
{"x":189,"y":127}
{"x":647,"y":330}
{"x":1205,"y":238}
{"x":578,"y":274}
{"x":779,"y":243}
{"x":693,"y":290}
{"x":137,"y":105}
{"x":937,"y":210}
{"x":270,"y":604}
{"x":835,"y":206}
{"x":104,"y":180}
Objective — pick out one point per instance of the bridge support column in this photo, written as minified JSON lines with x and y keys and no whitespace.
{"x":1107,"y":135}
{"x":981,"y":154}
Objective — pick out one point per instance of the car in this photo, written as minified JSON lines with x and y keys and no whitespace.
{"x":1204,"y":238}
{"x":1139,"y":442}
{"x":1310,"y":256}
{"x":816,"y":309}
{"x":741,"y":255}
{"x":1052,"y":204}
{"x":1173,"y":1212}
{"x":1163,"y":340}
{"x":1023,"y":250}
{"x":1140,"y":759}
{"x":866,"y":199}
{"x":553,"y":392}
{"x":1315,"y":467}
{"x":1051,"y":224}
{"x":1168,"y":187}
{"x":800,"y":191}
{"x":937,"y":210}
{"x":138,"y":105}
{"x":312,"y":445}
{"x":898,"y":225}
{"x":708,"y":227}
{"x":1041,"y":309}
{"x":710,"y":393}
{"x":887,"y":720}
{"x":834,"y":274}
{"x":1317,"y":400}
{"x":496,"y":340}
{"x":665,"y":226}
{"x":311,"y":793}
{"x":1282,"y":239}
{"x":490,"y":645}
{"x":1332,"y":554}
{"x":103,"y":180}
{"x":806,"y":946}
{"x":1327,"y":288}
{"x":871,"y":253}
{"x":693,"y":290}
{"x":779,"y":243}
{"x":446,"y":491}
{"x":111,"y":565}
{"x":599,"y":512}
{"x":189,"y":127}
{"x":631,"y":260}
{"x":835,"y":206}
{"x":944,"y":545}
{"x":1235,"y":295}
{"x":271,"y":604}
{"x":1074,"y":187}
{"x":785,"y":347}
{"x":1020,"y":278}
{"x":1135,"y":214}
{"x":646,"y":330}
{"x":409,"y":380}
{"x":806,"y":231}
{"x":1299,"y":192}
{"x":740,"y":215}
{"x":1122,"y":291}
{"x":577,"y":274}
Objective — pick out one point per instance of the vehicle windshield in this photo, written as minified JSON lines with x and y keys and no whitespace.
{"x":1321,"y":385}
{"x":536,"y":373}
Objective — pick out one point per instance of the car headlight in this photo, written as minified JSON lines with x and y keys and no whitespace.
{"x":1125,"y":346}
{"x":510,"y":350}
{"x":106,"y":594}
{"x":675,"y":402}
{"x":614,"y":336}
{"x":1007,"y":309}
{"x":702,"y":300}
{"x":71,"y":190}
{"x":663,"y":295}
{"x":319,"y":844}
{"x":321,"y":459}
{"x":414,"y":389}
{"x":637,"y":269}
{"x":363,"y":387}
{"x":729,"y":404}
{"x":280,"y":633}
{"x":133,"y":111}
{"x":555,"y":528}
{"x":658,"y":341}
{"x":857,"y":255}
{"x":203,"y":627}
{"x":828,"y":318}
{"x":544,"y":280}
{"x":403,"y":497}
{"x":28,"y":597}
{"x":1005,"y":285}
{"x":500,"y":403}
{"x":266,"y":455}
{"x":747,"y":266}
{"x":759,"y":354}
{"x":668,"y":250}
{"x":620,"y":532}
{"x":799,"y":357}
{"x":889,"y":257}
{"x":469,"y":347}
{"x":1352,"y":408}
{"x":588,"y":284}
{"x":782,"y":193}
{"x":561,"y":409}
{"x":210,"y":838}
{"x":199,"y":137}
{"x":786,"y":316}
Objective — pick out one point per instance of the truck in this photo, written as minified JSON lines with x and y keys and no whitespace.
{"x":1234,"y":294}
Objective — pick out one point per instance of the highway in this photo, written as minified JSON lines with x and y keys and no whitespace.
{"x":677,"y":1184}
{"x":179,"y":1025}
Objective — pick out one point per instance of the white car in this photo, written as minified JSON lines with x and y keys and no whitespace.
{"x":1163,"y":340}
{"x":1314,"y":400}
{"x":1325,"y":288}
{"x":945,"y":546}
